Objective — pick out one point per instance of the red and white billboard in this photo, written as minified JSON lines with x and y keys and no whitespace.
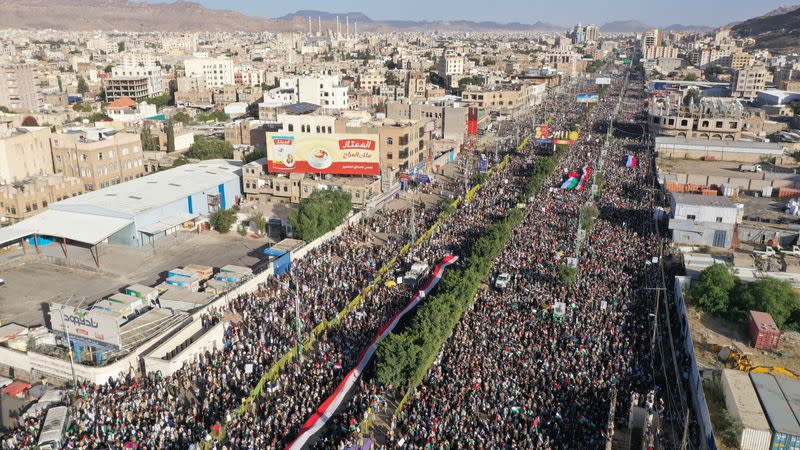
{"x":341,"y":154}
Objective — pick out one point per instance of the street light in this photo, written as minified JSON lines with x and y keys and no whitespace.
{"x":69,"y":345}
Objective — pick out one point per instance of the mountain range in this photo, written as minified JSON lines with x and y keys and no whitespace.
{"x":777,"y":30}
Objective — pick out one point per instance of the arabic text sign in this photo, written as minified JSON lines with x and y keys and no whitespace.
{"x":347,"y":154}
{"x":92,"y":325}
{"x":587,"y":98}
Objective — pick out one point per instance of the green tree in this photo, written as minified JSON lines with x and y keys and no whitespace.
{"x":320,"y":213}
{"x":108,"y":69}
{"x":82,"y":86}
{"x":391,"y":79}
{"x":6,"y":110}
{"x":770,"y":295}
{"x":170,"y":138}
{"x":252,"y":156}
{"x":179,"y":161}
{"x":214,"y":116}
{"x":161,"y":100}
{"x":210,"y":148}
{"x":568,"y":275}
{"x":731,"y":431}
{"x":588,"y":216}
{"x":795,"y":105}
{"x":182,"y":117}
{"x":690,"y":77}
{"x":259,"y":221}
{"x":98,"y":117}
{"x":223,"y":220}
{"x":692,"y":95}
{"x":712,"y":290}
{"x":146,"y":136}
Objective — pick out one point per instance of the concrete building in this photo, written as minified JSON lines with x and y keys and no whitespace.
{"x":217,"y":72}
{"x":152,"y":72}
{"x":19,"y":87}
{"x":136,"y":88}
{"x":450,"y":122}
{"x":100,"y":157}
{"x":24,"y":199}
{"x":702,"y":220}
{"x":403,"y":143}
{"x":504,"y":98}
{"x":592,"y":33}
{"x":24,"y":152}
{"x":713,"y":118}
{"x":128,"y":111}
{"x":450,"y":67}
{"x":748,"y":81}
{"x":140,"y":211}
{"x":416,"y":83}
{"x":323,"y":90}
{"x":739,"y":151}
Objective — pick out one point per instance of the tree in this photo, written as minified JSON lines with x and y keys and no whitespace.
{"x":5,"y":110}
{"x":252,"y":156}
{"x":179,"y":161}
{"x":99,"y":117}
{"x":121,"y":46}
{"x":795,"y":105}
{"x":223,"y":220}
{"x":568,"y":275}
{"x":182,"y":117}
{"x":170,"y":138}
{"x":770,"y":295}
{"x":588,"y":215}
{"x":82,"y":86}
{"x":391,"y":79}
{"x":692,"y":96}
{"x":107,"y":69}
{"x":690,"y":77}
{"x":60,"y":84}
{"x":258,"y":221}
{"x":210,"y":148}
{"x":712,"y":290}
{"x":161,"y":100}
{"x":148,"y":144}
{"x":320,"y":213}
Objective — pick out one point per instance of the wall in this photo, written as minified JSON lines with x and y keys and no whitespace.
{"x":210,"y":340}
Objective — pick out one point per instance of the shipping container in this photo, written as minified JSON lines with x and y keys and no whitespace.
{"x":742,"y":403}
{"x":204,"y":272}
{"x":244,"y":271}
{"x":135,"y":303}
{"x":786,"y":193}
{"x":785,"y":428}
{"x":791,"y":390}
{"x":148,"y":294}
{"x":190,"y":283}
{"x":764,"y":334}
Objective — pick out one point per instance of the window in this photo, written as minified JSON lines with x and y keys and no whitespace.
{"x":719,"y":124}
{"x":389,"y":141}
{"x":706,"y":124}
{"x":44,"y":203}
{"x":684,"y":122}
{"x":719,"y":219}
{"x":691,"y":217}
{"x":291,"y":127}
{"x":100,"y":156}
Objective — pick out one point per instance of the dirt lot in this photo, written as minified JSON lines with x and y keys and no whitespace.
{"x":707,"y":331}
{"x":712,"y":168}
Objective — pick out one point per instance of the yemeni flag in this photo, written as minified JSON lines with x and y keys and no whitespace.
{"x":572,"y":181}
{"x":585,"y":175}
{"x":630,"y":161}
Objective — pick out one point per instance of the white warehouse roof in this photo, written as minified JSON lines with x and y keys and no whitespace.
{"x":85,"y":228}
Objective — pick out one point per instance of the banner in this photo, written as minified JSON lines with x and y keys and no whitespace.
{"x":542,"y":134}
{"x":472,"y":121}
{"x":345,"y":154}
{"x":603,"y":81}
{"x":587,"y":98}
{"x":92,"y":325}
{"x":327,"y":410}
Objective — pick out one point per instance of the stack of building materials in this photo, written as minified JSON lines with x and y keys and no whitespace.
{"x":742,"y":402}
{"x":148,"y":294}
{"x":233,"y":274}
{"x":784,"y":424}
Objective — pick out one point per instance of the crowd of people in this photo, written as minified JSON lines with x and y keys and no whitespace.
{"x":513,"y":375}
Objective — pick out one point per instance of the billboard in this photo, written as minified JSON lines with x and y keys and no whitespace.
{"x":93,"y":325}
{"x":472,"y":121}
{"x":344,"y":154}
{"x":543,"y":135}
{"x":587,"y":98}
{"x":603,"y":81}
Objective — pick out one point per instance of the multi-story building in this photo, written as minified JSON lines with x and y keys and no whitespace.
{"x":748,"y":81}
{"x":416,"y":83}
{"x":450,"y":122}
{"x":370,"y":81}
{"x":217,"y":72}
{"x":136,"y":88}
{"x":323,"y":90}
{"x":660,"y":51}
{"x":24,"y":152}
{"x":403,"y":143}
{"x":248,"y":76}
{"x":651,"y":38}
{"x":151,"y":72}
{"x":450,"y":68}
{"x":19,"y":87}
{"x":100,"y":157}
{"x":713,"y":118}
{"x":504,"y":97}
{"x":566,"y":61}
{"x":126,"y":110}
{"x":578,"y":34}
{"x":740,"y":60}
{"x":592,"y":33}
{"x":31,"y":196}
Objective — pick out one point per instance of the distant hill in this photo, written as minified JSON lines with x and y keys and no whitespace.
{"x":778,"y":30}
{"x":635,"y":26}
{"x":688,"y":28}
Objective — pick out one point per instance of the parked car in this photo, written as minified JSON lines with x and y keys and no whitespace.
{"x":502,"y":281}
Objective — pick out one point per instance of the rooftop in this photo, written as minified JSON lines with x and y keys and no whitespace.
{"x":703,"y":200}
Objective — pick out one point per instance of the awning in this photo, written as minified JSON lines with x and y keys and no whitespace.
{"x":167,"y":223}
{"x":86,"y":228}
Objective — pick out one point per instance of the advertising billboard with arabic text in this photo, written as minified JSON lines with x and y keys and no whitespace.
{"x":342,"y":154}
{"x":94,"y":325}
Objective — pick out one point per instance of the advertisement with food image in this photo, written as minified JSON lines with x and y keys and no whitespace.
{"x":341,"y":154}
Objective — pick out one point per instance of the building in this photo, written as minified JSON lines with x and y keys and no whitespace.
{"x":136,"y":88}
{"x":19,"y":87}
{"x":660,"y":51}
{"x":748,"y":81}
{"x":416,"y":83}
{"x":24,"y":152}
{"x":450,"y":68}
{"x":450,"y":122}
{"x":140,"y":211}
{"x":504,"y":98}
{"x":740,"y":151}
{"x":323,"y":90}
{"x":248,"y":76}
{"x":740,"y":60}
{"x":702,"y":220}
{"x":217,"y":72}
{"x":152,"y":72}
{"x":713,"y":118}
{"x":592,"y":33}
{"x":248,"y":132}
{"x":651,"y":38}
{"x":403,"y":143}
{"x":578,"y":34}
{"x":100,"y":157}
{"x":23,"y":199}
{"x":126,"y":110}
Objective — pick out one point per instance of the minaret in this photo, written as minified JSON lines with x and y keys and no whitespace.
{"x":355,"y":32}
{"x":319,"y":25}
{"x":338,"y":30}
{"x":309,"y":25}
{"x":347,"y":24}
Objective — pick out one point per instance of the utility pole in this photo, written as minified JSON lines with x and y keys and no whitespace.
{"x":413,"y":223}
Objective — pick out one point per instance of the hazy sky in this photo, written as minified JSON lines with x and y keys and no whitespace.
{"x":559,"y":12}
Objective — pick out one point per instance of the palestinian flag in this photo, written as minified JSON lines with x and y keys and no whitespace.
{"x":630,"y":161}
{"x":572,"y":181}
{"x":585,"y":175}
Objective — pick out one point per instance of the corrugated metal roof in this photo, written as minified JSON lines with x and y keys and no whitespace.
{"x":744,"y":402}
{"x":791,"y":390}
{"x":779,"y":413}
{"x":85,"y":228}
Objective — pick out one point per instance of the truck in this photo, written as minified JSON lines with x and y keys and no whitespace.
{"x":750,"y":168}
